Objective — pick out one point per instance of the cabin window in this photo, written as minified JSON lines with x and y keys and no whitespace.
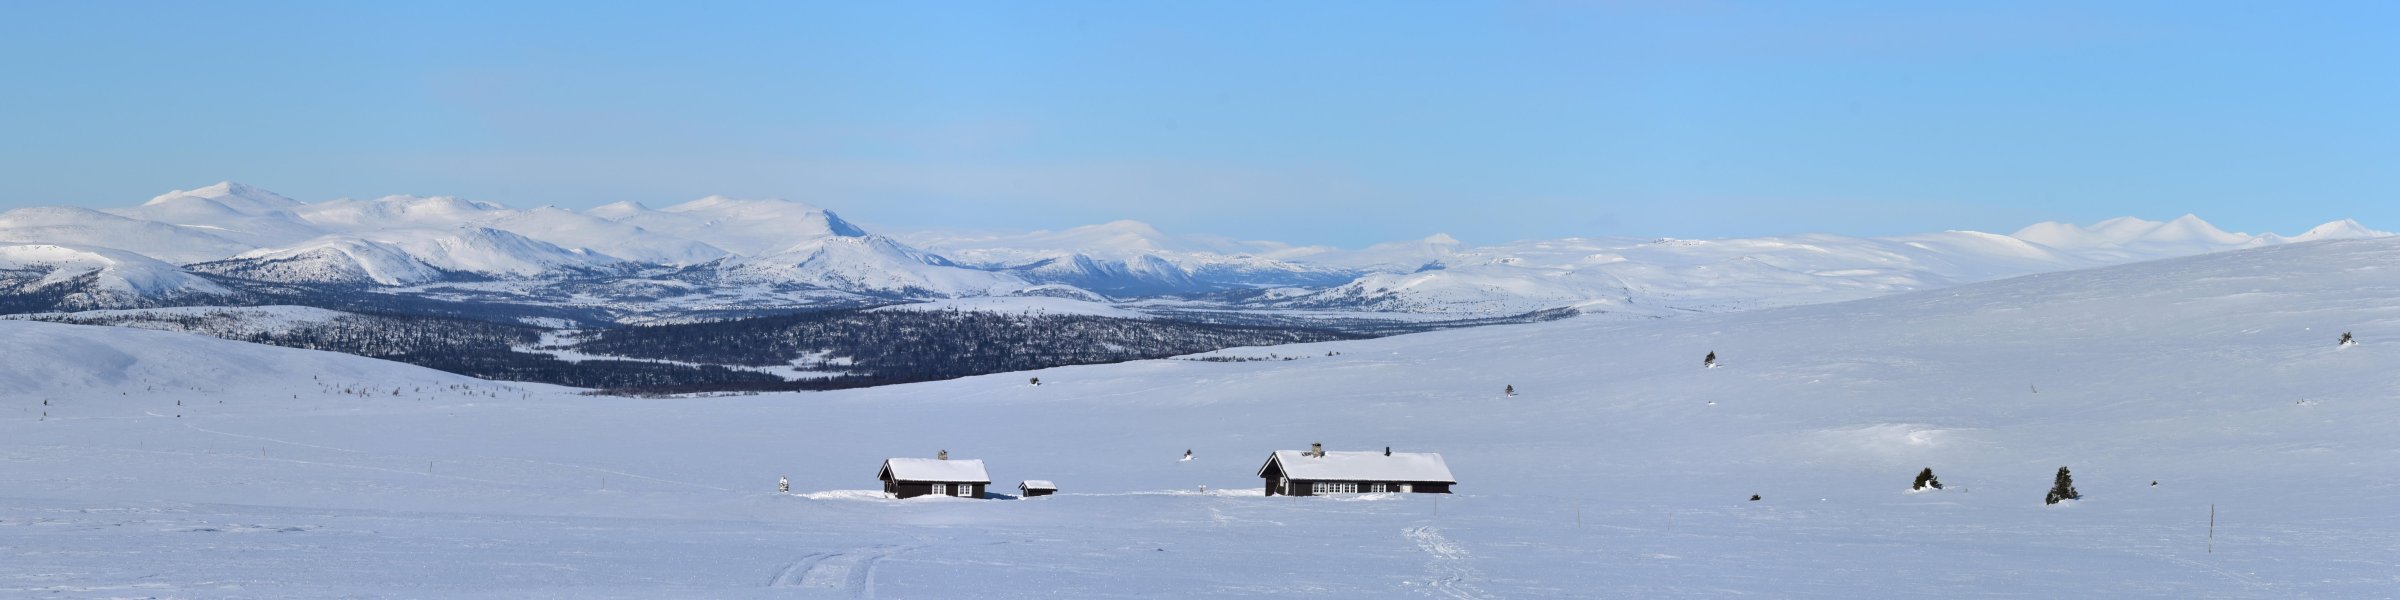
{"x":1375,"y":488}
{"x":1407,"y":488}
{"x":1330,"y":487}
{"x":941,"y":489}
{"x":966,"y":490}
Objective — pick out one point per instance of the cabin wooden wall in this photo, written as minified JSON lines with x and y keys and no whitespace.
{"x":1302,"y":487}
{"x":905,"y":489}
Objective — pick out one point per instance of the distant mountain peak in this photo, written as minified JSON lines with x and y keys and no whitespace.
{"x":618,"y":210}
{"x":2123,"y":231}
{"x":2343,"y":229}
{"x":1127,"y":226}
{"x":237,"y":196}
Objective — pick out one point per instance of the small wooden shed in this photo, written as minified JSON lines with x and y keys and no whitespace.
{"x":913,"y":477}
{"x":1316,"y":472}
{"x":1036,"y":487}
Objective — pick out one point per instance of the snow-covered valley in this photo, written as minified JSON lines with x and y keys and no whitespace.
{"x":1621,"y":468}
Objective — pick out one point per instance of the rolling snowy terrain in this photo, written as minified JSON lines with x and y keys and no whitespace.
{"x":1622,"y":468}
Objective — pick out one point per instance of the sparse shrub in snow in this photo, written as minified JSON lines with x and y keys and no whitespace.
{"x":2062,"y":489}
{"x":2347,"y":341}
{"x":1754,"y":497}
{"x":1512,"y":390}
{"x":1925,"y":479}
{"x":1034,"y":381}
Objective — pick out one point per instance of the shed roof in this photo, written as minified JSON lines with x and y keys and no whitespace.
{"x":1039,"y":484}
{"x":934,"y":470}
{"x":1362,"y":466}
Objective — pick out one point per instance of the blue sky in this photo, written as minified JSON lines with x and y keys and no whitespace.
{"x":1340,"y":123}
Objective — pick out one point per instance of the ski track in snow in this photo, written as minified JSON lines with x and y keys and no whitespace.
{"x":624,"y":474}
{"x":852,"y":571}
{"x":1447,"y":573}
{"x":251,"y":457}
{"x":523,"y":460}
{"x":2245,"y":580}
{"x":266,"y":439}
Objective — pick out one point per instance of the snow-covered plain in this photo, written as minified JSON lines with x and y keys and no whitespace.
{"x":1621,"y":468}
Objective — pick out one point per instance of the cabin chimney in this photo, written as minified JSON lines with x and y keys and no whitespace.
{"x":1387,"y":450}
{"x":1316,"y":450}
{"x":945,"y":455}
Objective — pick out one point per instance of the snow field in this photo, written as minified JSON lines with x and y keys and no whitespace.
{"x":1611,"y":474}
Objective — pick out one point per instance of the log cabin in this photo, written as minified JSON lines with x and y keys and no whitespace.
{"x":913,"y":477}
{"x":1316,"y":472}
{"x":1036,"y":487}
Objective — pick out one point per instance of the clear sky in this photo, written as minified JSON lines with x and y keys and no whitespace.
{"x":1314,"y":122}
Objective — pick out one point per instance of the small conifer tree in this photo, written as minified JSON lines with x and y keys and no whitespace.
{"x":1925,"y":479}
{"x":1512,"y":389}
{"x":2062,"y":489}
{"x":1711,"y":360}
{"x":1034,"y":381}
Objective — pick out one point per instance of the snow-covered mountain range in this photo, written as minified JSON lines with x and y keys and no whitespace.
{"x":720,"y":253}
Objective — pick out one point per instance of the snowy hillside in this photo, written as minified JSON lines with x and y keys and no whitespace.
{"x":407,"y":256}
{"x":2127,"y":239}
{"x":1621,"y":468}
{"x":1671,"y":276}
{"x":248,"y":215}
{"x":95,"y":277}
{"x":87,"y":372}
{"x":867,"y":263}
{"x":747,"y":227}
{"x":94,"y":229}
{"x":571,"y":229}
{"x":1133,"y":258}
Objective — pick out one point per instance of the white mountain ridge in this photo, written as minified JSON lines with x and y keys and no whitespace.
{"x":782,"y":247}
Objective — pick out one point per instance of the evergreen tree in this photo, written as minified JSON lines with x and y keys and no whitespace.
{"x":1512,"y":389}
{"x":2062,"y":489}
{"x":1925,"y":479}
{"x":1711,"y":361}
{"x":2346,"y":339}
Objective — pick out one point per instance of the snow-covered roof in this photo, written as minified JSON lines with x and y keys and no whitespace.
{"x":1038,"y":484}
{"x":935,"y":470}
{"x":1362,"y":466}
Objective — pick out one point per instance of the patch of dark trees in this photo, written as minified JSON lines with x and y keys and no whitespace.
{"x":82,"y":293}
{"x":471,"y":347}
{"x":1366,"y":326}
{"x":900,"y":346}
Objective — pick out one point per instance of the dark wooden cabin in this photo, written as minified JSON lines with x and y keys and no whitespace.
{"x":1036,"y":487}
{"x":913,"y":477}
{"x":1316,"y":472}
